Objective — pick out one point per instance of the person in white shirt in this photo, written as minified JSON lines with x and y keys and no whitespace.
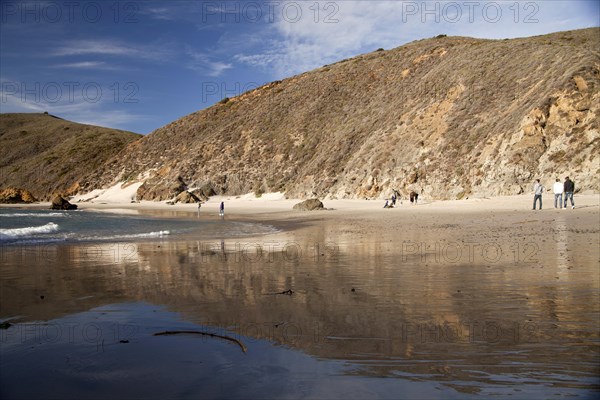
{"x":538,"y":190}
{"x":558,"y":193}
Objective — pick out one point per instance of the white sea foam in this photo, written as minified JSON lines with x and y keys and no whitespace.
{"x":52,"y":214}
{"x":27,"y":231}
{"x":151,"y":234}
{"x":157,"y":234}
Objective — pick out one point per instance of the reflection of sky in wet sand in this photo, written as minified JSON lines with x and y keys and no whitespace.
{"x":465,"y":313}
{"x":110,"y":352}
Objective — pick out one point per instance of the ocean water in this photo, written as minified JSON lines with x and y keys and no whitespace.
{"x":22,"y":227}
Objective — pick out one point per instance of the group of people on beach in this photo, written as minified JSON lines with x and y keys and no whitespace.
{"x":413,"y":196}
{"x":559,"y":188}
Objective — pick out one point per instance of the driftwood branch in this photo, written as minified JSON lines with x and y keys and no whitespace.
{"x":167,"y":333}
{"x":288,"y":292}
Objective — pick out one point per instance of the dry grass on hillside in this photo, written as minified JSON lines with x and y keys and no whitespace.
{"x":46,"y":155}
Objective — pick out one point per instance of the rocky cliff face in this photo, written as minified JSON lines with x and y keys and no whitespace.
{"x":16,"y":196}
{"x":448,"y":117}
{"x":48,"y":155}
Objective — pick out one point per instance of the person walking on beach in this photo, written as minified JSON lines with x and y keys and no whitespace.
{"x":538,"y":190}
{"x":222,"y":210}
{"x":394,"y":199}
{"x":413,"y":197}
{"x":558,"y":191}
{"x":569,"y":188}
{"x":199,"y":205}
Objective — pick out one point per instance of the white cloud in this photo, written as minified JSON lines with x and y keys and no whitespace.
{"x":333,"y":32}
{"x":112,"y":48}
{"x":205,"y":64}
{"x":118,"y":119}
{"x":202,"y":62}
{"x":160,"y":13}
{"x":102,"y":47}
{"x":262,"y":60}
{"x":302,"y":41}
{"x":180,"y":11}
{"x":72,"y":106}
{"x":86,"y":65}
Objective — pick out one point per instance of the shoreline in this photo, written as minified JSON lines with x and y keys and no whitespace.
{"x":244,"y":208}
{"x":505,"y":219}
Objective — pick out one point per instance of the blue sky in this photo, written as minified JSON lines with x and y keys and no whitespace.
{"x":138,"y":65}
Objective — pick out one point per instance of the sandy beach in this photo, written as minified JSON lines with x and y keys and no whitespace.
{"x":505,"y":218}
{"x":450,"y":299}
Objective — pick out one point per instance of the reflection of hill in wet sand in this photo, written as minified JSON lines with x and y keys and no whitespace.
{"x":441,"y":300}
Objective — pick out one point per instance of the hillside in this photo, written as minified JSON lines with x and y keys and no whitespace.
{"x":449,"y":117}
{"x":47,"y":155}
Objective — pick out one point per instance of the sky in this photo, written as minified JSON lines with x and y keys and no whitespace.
{"x":138,"y":65}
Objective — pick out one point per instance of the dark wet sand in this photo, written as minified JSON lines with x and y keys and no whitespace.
{"x":446,"y":305}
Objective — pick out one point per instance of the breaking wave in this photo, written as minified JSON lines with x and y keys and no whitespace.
{"x":27,"y":231}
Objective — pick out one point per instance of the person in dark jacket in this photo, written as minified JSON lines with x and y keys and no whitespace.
{"x":414,"y":196}
{"x":569,"y":190}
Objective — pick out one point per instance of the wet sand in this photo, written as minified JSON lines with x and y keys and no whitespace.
{"x":447,"y":299}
